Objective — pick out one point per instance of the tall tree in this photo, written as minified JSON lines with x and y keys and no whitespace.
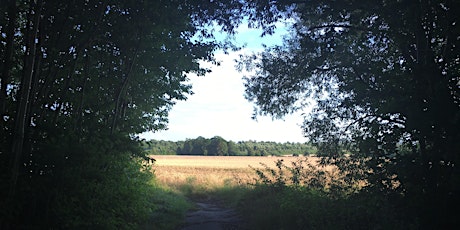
{"x":385,"y":79}
{"x":8,"y":30}
{"x":79,"y":80}
{"x":29,"y":71}
{"x":217,"y":146}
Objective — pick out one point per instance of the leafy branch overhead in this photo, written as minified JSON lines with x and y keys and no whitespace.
{"x":78,"y":81}
{"x":384,"y":77}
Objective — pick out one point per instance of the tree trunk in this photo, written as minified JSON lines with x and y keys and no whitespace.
{"x":25,"y":88}
{"x":12,"y":8}
{"x":121,"y":92}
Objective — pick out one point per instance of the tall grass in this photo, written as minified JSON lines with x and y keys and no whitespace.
{"x":198,"y":183}
{"x":169,"y":208}
{"x":303,"y":196}
{"x":288,"y":193}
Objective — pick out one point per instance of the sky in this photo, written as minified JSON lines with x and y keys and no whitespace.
{"x":218,"y":106}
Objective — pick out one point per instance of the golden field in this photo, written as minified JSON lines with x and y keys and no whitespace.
{"x":210,"y":172}
{"x":228,"y":162}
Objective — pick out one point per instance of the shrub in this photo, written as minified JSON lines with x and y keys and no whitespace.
{"x":302,"y":197}
{"x":113,"y":197}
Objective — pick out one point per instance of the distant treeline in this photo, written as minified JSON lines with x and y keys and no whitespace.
{"x":217,"y":146}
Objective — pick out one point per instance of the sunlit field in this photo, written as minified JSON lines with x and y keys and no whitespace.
{"x":208,"y":172}
{"x":236,"y":181}
{"x":227,"y":162}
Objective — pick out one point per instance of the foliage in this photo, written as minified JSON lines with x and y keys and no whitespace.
{"x":304,"y":208}
{"x":217,"y":146}
{"x":121,"y":199}
{"x":78,"y":81}
{"x":306,"y":173}
{"x":85,"y":188}
{"x":384,"y":78}
{"x":302,"y":197}
{"x":160,"y":147}
{"x":169,"y":210}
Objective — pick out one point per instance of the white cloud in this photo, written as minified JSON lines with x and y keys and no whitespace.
{"x":218,"y":108}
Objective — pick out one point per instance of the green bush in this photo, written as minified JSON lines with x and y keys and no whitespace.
{"x":279,"y":201}
{"x":107,"y":193}
{"x":97,"y":183}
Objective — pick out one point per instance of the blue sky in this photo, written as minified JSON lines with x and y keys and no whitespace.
{"x":218,"y":106}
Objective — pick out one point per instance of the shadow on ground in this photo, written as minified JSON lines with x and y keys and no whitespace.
{"x":210,"y":215}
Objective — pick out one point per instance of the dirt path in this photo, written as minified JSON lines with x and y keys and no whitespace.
{"x":209,"y":215}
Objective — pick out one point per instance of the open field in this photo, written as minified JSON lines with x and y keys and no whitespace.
{"x":209,"y":172}
{"x":228,"y":162}
{"x":227,"y":180}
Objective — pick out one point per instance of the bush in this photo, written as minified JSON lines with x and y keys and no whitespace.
{"x":103,"y":191}
{"x":97,"y":183}
{"x":290,"y":200}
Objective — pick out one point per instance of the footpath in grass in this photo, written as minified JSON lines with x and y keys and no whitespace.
{"x":300,"y":196}
{"x":213,"y":208}
{"x":169,"y":208}
{"x":212,"y":215}
{"x":193,"y":204}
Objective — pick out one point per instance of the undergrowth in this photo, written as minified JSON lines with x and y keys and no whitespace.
{"x":169,"y":208}
{"x":228,"y":194}
{"x":302,"y":196}
{"x":299,"y":196}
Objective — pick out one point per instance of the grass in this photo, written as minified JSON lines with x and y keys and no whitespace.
{"x":232,"y":181}
{"x":198,"y":176}
{"x":213,"y":171}
{"x":181,"y":179}
{"x":169,"y":208}
{"x":268,"y":196}
{"x":226,"y":178}
{"x":225,"y":162}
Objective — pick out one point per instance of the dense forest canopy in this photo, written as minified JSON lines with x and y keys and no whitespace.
{"x":385,"y":78}
{"x":217,"y":146}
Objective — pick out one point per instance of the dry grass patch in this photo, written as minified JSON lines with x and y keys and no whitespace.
{"x":204,"y":177}
{"x":211,"y":172}
{"x":229,"y":162}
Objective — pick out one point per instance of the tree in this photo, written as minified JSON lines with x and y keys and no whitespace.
{"x":217,"y":146}
{"x":187,"y":148}
{"x":233,"y":149}
{"x":200,"y":146}
{"x":384,"y":76}
{"x":78,"y":81}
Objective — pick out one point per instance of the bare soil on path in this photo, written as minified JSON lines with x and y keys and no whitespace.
{"x":210,"y":215}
